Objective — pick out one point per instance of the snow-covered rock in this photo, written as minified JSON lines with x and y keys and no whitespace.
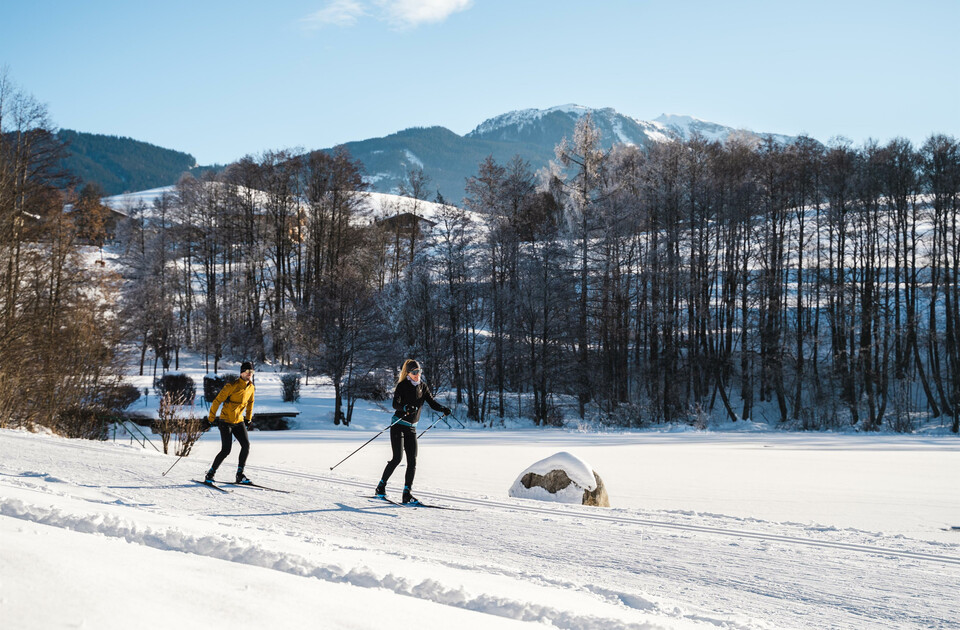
{"x":563,"y":478}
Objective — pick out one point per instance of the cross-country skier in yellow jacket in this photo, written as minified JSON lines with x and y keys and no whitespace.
{"x":236,"y":398}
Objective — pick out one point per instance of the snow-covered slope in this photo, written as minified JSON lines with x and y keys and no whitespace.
{"x":125,"y":202}
{"x":372,"y":206}
{"x":379,"y":205}
{"x":685,"y":127}
{"x":548,"y":125}
{"x":522,"y":118}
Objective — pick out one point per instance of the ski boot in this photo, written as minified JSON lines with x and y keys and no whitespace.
{"x":409,"y":499}
{"x":241,"y":478}
{"x":381,"y":490}
{"x":209,"y":476}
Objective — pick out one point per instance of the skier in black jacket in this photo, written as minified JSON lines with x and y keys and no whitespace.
{"x":408,"y":399}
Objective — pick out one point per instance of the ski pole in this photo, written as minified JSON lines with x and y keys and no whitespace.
{"x":361,"y":446}
{"x":439,"y":418}
{"x":174,"y":463}
{"x":448,"y":424}
{"x":171,"y":467}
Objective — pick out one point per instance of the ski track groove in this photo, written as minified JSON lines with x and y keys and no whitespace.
{"x":629,"y":520}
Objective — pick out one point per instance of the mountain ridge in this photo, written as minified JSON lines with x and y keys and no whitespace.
{"x":530,"y":133}
{"x":448,"y":159}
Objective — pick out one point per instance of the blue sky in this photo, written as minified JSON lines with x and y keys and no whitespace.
{"x":224,"y":79}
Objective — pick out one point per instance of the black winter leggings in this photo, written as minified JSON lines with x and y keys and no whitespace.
{"x":227,"y":433}
{"x":403,"y":439}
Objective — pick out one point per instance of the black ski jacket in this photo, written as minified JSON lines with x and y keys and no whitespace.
{"x":413,"y":395}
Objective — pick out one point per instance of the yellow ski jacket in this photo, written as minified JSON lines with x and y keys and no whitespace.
{"x":235,"y":397}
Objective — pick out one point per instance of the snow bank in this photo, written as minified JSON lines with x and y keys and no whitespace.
{"x":237,"y":549}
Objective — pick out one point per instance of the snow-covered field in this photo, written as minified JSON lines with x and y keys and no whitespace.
{"x":722,"y":529}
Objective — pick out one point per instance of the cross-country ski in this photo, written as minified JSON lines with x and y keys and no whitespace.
{"x":256,"y":486}
{"x":210,"y":484}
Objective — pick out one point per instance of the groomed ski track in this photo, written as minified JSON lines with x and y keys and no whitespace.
{"x":708,"y":570}
{"x":595,"y":515}
{"x":591,"y":514}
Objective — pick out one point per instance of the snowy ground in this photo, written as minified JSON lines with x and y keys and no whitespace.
{"x":742,"y":529}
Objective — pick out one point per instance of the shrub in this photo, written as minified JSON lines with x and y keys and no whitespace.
{"x":81,"y":422}
{"x":554,"y":416}
{"x":119,"y":397}
{"x":626,"y":416}
{"x":90,"y":418}
{"x":291,"y":387}
{"x":213,"y":384}
{"x":176,"y":384}
{"x":172,"y":421}
{"x":373,"y":386}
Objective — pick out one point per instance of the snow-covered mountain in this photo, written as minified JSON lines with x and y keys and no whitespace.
{"x":551,"y":125}
{"x":685,"y":127}
{"x":546,"y":125}
{"x":448,"y":158}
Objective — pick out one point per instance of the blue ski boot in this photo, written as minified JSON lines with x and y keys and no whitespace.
{"x":241,"y":478}
{"x":381,"y":490}
{"x":209,"y":476}
{"x":409,"y":499}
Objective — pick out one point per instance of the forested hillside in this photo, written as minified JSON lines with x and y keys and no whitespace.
{"x":118,"y":164}
{"x":446,"y":158}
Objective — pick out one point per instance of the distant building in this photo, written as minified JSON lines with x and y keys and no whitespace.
{"x":407,"y":223}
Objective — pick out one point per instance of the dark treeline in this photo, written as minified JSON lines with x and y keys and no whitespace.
{"x":814,"y":286}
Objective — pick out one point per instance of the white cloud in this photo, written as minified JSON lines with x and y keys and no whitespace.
{"x":411,"y":13}
{"x":336,"y":13}
{"x":398,"y":13}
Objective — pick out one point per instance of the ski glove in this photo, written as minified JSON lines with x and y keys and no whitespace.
{"x":446,"y":411}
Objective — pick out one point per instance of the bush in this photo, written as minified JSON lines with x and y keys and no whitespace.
{"x":89,"y":419}
{"x":554,"y":415}
{"x":172,"y":421}
{"x":291,"y":387}
{"x":213,"y":384}
{"x":176,"y":384}
{"x":81,"y":422}
{"x":626,"y":416}
{"x":373,"y":386}
{"x":119,"y":397}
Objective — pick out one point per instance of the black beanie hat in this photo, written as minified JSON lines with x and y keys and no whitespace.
{"x":246,"y":365}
